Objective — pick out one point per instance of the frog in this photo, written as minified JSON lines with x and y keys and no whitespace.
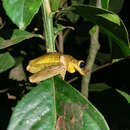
{"x":52,"y":64}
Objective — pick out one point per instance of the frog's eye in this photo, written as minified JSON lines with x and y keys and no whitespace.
{"x":81,"y":64}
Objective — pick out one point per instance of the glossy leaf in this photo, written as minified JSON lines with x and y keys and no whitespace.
{"x":114,"y":28}
{"x":98,"y":87}
{"x":21,"y":12}
{"x":124,"y":94}
{"x":36,"y":111}
{"x":6,"y":61}
{"x":111,"y":17}
{"x":17,"y":36}
{"x":74,"y":111}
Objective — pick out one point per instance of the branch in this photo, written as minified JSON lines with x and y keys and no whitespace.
{"x":94,"y":47}
{"x":61,"y":42}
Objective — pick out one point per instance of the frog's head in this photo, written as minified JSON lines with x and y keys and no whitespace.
{"x":72,"y":64}
{"x":77,"y":66}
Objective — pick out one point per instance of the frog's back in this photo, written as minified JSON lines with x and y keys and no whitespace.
{"x":47,"y":58}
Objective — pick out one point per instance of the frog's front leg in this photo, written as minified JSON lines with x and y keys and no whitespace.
{"x":48,"y":72}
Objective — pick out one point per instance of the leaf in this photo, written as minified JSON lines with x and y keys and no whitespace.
{"x":118,"y":51}
{"x":6,"y":61}
{"x":92,"y":2}
{"x":98,"y":87}
{"x":125,"y":95}
{"x":74,"y":111}
{"x":21,"y":12}
{"x":17,"y":36}
{"x":111,"y":27}
{"x":59,"y":28}
{"x":36,"y":110}
{"x":116,"y":5}
{"x":17,"y":73}
{"x":111,"y":17}
{"x":55,"y":4}
{"x":72,"y":16}
{"x":92,"y":30}
{"x":105,"y":4}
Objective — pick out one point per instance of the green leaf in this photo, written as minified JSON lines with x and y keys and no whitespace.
{"x":21,"y":12}
{"x":98,"y":87}
{"x":59,"y":28}
{"x":92,"y":2}
{"x":118,"y":50}
{"x":75,"y":111}
{"x":36,"y":111}
{"x":116,"y":5}
{"x":112,"y":28}
{"x":125,"y":95}
{"x":17,"y":36}
{"x":55,"y":4}
{"x":6,"y":61}
{"x":105,"y":4}
{"x":72,"y":16}
{"x":92,"y":30}
{"x":111,"y":17}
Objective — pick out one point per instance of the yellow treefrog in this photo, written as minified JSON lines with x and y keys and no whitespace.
{"x":51,"y":64}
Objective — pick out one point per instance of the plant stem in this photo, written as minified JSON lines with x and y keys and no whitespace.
{"x":61,"y":42}
{"x":48,"y":26}
{"x":94,"y":47}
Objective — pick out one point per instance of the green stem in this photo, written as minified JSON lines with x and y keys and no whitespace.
{"x":48,"y":26}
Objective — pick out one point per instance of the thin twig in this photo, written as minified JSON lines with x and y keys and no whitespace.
{"x":66,"y":33}
{"x":101,"y":67}
{"x":72,"y":80}
{"x":1,"y":23}
{"x":110,"y":63}
{"x":4,"y":90}
{"x":57,"y":45}
{"x":11,"y":96}
{"x":62,"y":3}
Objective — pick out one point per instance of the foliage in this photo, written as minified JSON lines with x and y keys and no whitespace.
{"x":53,"y":103}
{"x":46,"y":100}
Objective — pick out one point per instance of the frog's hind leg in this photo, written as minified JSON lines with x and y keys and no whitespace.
{"x":48,"y":72}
